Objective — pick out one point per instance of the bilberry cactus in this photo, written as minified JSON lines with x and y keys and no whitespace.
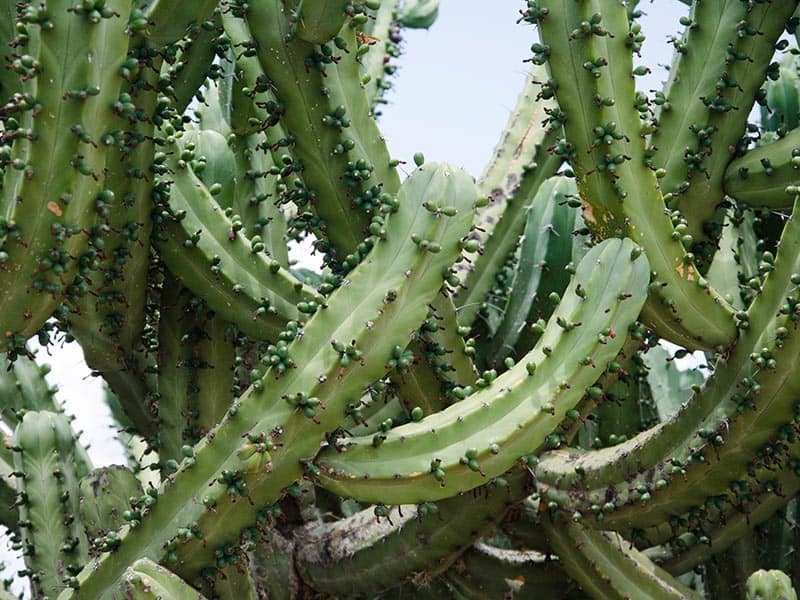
{"x":471,"y":398}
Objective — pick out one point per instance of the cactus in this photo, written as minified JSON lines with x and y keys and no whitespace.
{"x":470,"y":398}
{"x":769,"y":584}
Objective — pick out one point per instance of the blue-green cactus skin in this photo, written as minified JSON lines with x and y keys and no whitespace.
{"x":53,"y":540}
{"x":275,"y":429}
{"x":437,"y":411}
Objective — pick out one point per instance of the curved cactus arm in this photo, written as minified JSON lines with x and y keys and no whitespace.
{"x":170,"y":20}
{"x":520,"y":163}
{"x":726,"y":272}
{"x":483,"y":435}
{"x":234,"y":582}
{"x":146,"y":580}
{"x":195,"y":380}
{"x":767,"y":176}
{"x":691,"y":551}
{"x":781,"y":112}
{"x":318,"y":21}
{"x":104,"y":496}
{"x":108,"y":318}
{"x":54,"y":543}
{"x":23,"y":387}
{"x":723,"y":59}
{"x":606,"y":565}
{"x":213,"y":161}
{"x":445,"y":346}
{"x":9,"y":79}
{"x":277,"y":152}
{"x":619,"y":189}
{"x":441,"y":365}
{"x":177,"y":339}
{"x":670,"y":386}
{"x":487,"y":572}
{"x":275,"y":429}
{"x":201,"y":244}
{"x":343,"y":158}
{"x":694,"y":455}
{"x":48,"y":210}
{"x":273,"y":569}
{"x":545,"y":252}
{"x":252,"y":192}
{"x":769,"y":585}
{"x":418,"y":14}
{"x":9,"y":515}
{"x":375,"y":64}
{"x":193,"y":64}
{"x":418,"y":542}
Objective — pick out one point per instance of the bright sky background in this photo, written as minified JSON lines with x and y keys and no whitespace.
{"x":456,"y":87}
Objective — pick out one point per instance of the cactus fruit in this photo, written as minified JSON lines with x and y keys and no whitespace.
{"x":470,"y":398}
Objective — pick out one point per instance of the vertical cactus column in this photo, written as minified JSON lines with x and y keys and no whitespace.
{"x":47,"y":472}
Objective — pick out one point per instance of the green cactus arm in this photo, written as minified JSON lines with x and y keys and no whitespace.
{"x":170,"y":20}
{"x":782,"y":110}
{"x":723,"y":60}
{"x":323,"y":123}
{"x":483,"y":435}
{"x":252,"y":192}
{"x":9,"y":79}
{"x":195,"y":379}
{"x":318,"y":21}
{"x":456,"y":367}
{"x":393,"y":285}
{"x":359,"y":555}
{"x":520,"y":163}
{"x":365,"y":133}
{"x":214,"y":379}
{"x":487,"y":572}
{"x":670,"y":386}
{"x":103,"y":497}
{"x":418,"y":14}
{"x":725,"y":272}
{"x":108,"y":317}
{"x":176,"y":340}
{"x":545,"y":252}
{"x":72,"y":113}
{"x":53,"y":540}
{"x":277,"y":154}
{"x":28,"y":390}
{"x":766,"y":176}
{"x":214,"y":160}
{"x":692,"y":551}
{"x":418,"y":389}
{"x":23,"y":387}
{"x":194,"y":62}
{"x":769,"y":585}
{"x":619,"y":191}
{"x":146,"y":580}
{"x":607,"y":566}
{"x":271,"y":223}
{"x":273,"y":569}
{"x":9,"y":515}
{"x":721,"y":420}
{"x":219,"y":264}
{"x":374,"y":64}
{"x":234,"y":582}
{"x":441,"y":366}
